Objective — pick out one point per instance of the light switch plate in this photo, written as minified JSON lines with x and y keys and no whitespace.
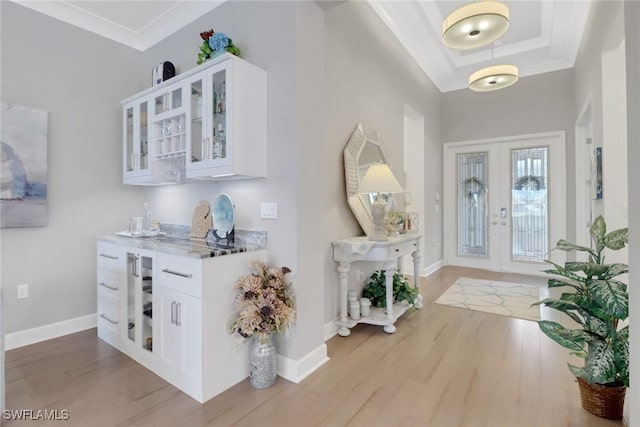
{"x":269,"y":210}
{"x":23,"y":291}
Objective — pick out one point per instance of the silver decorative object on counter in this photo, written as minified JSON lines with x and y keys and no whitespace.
{"x":262,"y":360}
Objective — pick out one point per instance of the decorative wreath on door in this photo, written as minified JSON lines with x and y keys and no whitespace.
{"x":473,"y":187}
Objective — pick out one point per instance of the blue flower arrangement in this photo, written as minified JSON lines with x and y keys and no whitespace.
{"x":214,"y":44}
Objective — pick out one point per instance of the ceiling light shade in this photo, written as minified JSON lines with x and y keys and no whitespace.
{"x":475,"y":25}
{"x":493,"y":78}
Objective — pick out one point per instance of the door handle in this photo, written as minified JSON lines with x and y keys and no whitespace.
{"x":173,"y":310}
{"x":113,"y":322}
{"x":178,"y":314}
{"x":104,"y":285}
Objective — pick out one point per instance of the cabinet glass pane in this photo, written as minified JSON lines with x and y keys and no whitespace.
{"x":129,"y":139}
{"x":139,"y":301}
{"x":196,"y":141}
{"x":472,"y":205}
{"x":144,"y":140}
{"x":219,"y":120}
{"x":168,"y":101}
{"x":146,"y":270}
{"x":529,"y":204}
{"x":132,"y":268}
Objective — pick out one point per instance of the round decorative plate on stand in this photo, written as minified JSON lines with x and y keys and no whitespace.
{"x":223,"y":218}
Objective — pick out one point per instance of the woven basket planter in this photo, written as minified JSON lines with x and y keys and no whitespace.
{"x":603,"y":401}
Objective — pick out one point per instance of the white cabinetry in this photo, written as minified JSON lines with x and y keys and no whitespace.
{"x":170,"y":314}
{"x":111,"y":290}
{"x":207,"y":123}
{"x":136,"y":155}
{"x":138,"y":305}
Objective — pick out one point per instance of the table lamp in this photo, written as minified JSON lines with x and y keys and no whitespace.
{"x":379,"y":179}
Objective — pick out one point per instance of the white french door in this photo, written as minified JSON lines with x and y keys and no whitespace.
{"x":505,"y":202}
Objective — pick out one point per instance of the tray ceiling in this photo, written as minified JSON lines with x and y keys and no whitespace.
{"x":544,"y":35}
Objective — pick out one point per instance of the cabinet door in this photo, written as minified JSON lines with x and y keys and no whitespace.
{"x":138,"y":306}
{"x":166,"y":332}
{"x":178,"y":335}
{"x":135,"y":139}
{"x":209,"y":118}
{"x":189,"y":322}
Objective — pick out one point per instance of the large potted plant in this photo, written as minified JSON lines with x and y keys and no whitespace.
{"x":598,"y":303}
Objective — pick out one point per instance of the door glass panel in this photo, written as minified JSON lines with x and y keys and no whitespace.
{"x":144,"y":140}
{"x":219,"y":146}
{"x":197,"y":142}
{"x":472,"y":204}
{"x":529,"y":200}
{"x":129,"y":139}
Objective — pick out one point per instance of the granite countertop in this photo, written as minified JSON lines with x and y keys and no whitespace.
{"x":180,"y":244}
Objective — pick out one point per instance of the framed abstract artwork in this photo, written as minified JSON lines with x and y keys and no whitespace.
{"x":23,"y":168}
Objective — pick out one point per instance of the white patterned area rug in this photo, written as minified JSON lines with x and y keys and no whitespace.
{"x":505,"y":298}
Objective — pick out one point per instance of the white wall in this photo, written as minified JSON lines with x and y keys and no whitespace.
{"x":614,"y":143}
{"x":632,"y":45}
{"x":369,"y":78}
{"x":79,"y":78}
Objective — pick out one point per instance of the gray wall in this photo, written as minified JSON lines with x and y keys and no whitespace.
{"x":282,"y":38}
{"x":535,"y":104}
{"x":632,"y":41}
{"x":79,"y":78}
{"x":369,"y":78}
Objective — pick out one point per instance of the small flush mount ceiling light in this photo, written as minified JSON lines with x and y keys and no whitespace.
{"x":493,"y":78}
{"x":475,"y":25}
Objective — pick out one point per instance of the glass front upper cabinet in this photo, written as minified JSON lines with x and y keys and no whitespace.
{"x":208,"y":112}
{"x":136,"y":154}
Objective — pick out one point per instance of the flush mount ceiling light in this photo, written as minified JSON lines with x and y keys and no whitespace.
{"x":493,"y":78}
{"x":475,"y":25}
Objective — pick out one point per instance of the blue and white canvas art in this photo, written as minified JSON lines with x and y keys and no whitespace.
{"x":23,"y":167}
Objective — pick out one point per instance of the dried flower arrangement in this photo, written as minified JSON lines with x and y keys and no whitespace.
{"x":264,"y":302}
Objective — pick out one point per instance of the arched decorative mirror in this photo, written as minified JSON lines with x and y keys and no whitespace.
{"x":363,"y":150}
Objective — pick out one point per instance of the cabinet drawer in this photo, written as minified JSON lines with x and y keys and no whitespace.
{"x":180,"y":273}
{"x":109,"y":322}
{"x":110,"y":257}
{"x":404,"y":248}
{"x":110,"y":286}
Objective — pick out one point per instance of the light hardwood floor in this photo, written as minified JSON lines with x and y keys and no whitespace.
{"x":443,"y":367}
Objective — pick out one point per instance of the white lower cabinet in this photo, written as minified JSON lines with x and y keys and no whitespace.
{"x":170,"y":314}
{"x":178,"y":319}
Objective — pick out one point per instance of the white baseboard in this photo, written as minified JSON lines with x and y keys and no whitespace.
{"x":330,"y":330}
{"x":432,"y":268}
{"x":297,"y":370}
{"x":47,"y":332}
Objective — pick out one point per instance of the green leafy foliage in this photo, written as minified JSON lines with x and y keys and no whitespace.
{"x":597,"y":303}
{"x":375,"y":289}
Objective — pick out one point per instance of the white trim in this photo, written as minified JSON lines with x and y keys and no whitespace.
{"x":432,"y":268}
{"x":297,"y":370}
{"x":512,"y":138}
{"x":167,"y":23}
{"x":330,"y":330}
{"x":50,"y":331}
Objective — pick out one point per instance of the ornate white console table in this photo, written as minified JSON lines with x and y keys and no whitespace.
{"x":390,"y":252}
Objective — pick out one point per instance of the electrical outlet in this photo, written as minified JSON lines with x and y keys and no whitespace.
{"x":23,"y":291}
{"x":360,"y":276}
{"x":436,"y":244}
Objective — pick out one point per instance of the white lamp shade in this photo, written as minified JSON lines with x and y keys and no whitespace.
{"x":475,"y":25}
{"x":493,"y":78}
{"x":379,"y":179}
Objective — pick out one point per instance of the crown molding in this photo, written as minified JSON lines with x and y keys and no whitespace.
{"x":169,"y":22}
